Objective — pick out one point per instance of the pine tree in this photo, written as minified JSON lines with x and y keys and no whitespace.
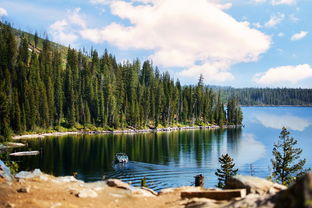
{"x":36,"y":39}
{"x":5,"y":129}
{"x":285,"y":167}
{"x":226,"y":170}
{"x":234,"y":113}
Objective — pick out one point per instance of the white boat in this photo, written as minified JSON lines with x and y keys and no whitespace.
{"x":121,"y":158}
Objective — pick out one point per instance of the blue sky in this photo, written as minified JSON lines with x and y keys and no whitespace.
{"x":240,"y":43}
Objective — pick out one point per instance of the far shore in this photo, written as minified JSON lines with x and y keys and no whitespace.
{"x":125,"y":131}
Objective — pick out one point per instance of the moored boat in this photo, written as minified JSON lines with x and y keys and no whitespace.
{"x":121,"y":158}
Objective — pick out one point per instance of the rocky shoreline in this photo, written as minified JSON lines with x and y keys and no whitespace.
{"x":125,"y":131}
{"x":36,"y":189}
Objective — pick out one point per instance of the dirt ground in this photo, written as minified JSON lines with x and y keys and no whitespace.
{"x":64,"y":195}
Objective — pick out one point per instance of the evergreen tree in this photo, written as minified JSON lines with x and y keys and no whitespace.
{"x":234,"y":113}
{"x":226,"y":170}
{"x":5,"y":130}
{"x":286,"y":162}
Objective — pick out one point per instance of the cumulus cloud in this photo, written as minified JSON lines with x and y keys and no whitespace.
{"x":284,"y":74}
{"x":65,"y":31}
{"x":280,"y":2}
{"x":3,"y":12}
{"x":274,"y":20}
{"x":60,"y":33}
{"x":299,"y":35}
{"x":214,"y":72}
{"x":197,"y":36}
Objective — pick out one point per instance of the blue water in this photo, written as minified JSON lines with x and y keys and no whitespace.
{"x":173,"y":159}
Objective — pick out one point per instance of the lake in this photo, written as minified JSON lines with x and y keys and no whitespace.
{"x":171,"y":159}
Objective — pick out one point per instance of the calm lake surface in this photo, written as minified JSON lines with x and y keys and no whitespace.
{"x":173,"y":159}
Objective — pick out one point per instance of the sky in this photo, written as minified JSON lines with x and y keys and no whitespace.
{"x":239,"y":43}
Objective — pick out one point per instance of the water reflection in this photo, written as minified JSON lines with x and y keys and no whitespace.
{"x":277,"y":121}
{"x":249,"y":150}
{"x":163,"y":155}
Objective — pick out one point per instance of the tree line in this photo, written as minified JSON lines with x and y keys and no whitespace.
{"x":48,"y":86}
{"x":269,"y":96}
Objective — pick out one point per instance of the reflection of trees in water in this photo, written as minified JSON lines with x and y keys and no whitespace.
{"x":234,"y":136}
{"x":93,"y":154}
{"x":219,"y":137}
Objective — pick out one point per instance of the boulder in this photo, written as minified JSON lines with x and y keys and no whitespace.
{"x":24,"y":190}
{"x":150,"y":190}
{"x":134,"y":190}
{"x":87,"y":193}
{"x":252,"y":201}
{"x":118,"y":184}
{"x":142,"y":192}
{"x":253,"y":185}
{"x":297,"y":195}
{"x":28,"y":174}
{"x":5,"y":172}
{"x":65,"y":179}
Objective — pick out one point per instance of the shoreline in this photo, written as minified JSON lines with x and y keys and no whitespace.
{"x":126,"y":131}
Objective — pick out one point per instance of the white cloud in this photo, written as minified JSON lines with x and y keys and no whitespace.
{"x":183,"y":33}
{"x":293,"y":18}
{"x":278,"y":121}
{"x":59,"y":25}
{"x":65,"y":31}
{"x":284,"y":74}
{"x":280,"y":34}
{"x":60,"y":34}
{"x":224,"y":6}
{"x":75,"y":18}
{"x":259,"y":1}
{"x":299,"y":35}
{"x":280,"y":2}
{"x":257,"y":25}
{"x":275,"y":20}
{"x":99,"y":1}
{"x":212,"y":72}
{"x":3,"y":12}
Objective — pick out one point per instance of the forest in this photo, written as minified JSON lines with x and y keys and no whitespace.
{"x":45,"y":86}
{"x":268,"y":96}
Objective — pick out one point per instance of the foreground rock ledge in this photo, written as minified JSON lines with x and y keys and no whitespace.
{"x":35,"y":189}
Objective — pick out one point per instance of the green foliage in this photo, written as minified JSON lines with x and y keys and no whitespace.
{"x":47,"y":86}
{"x":286,"y":160}
{"x":227,"y":170}
{"x":143,"y":182}
{"x":234,"y":113}
{"x":14,"y":167}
